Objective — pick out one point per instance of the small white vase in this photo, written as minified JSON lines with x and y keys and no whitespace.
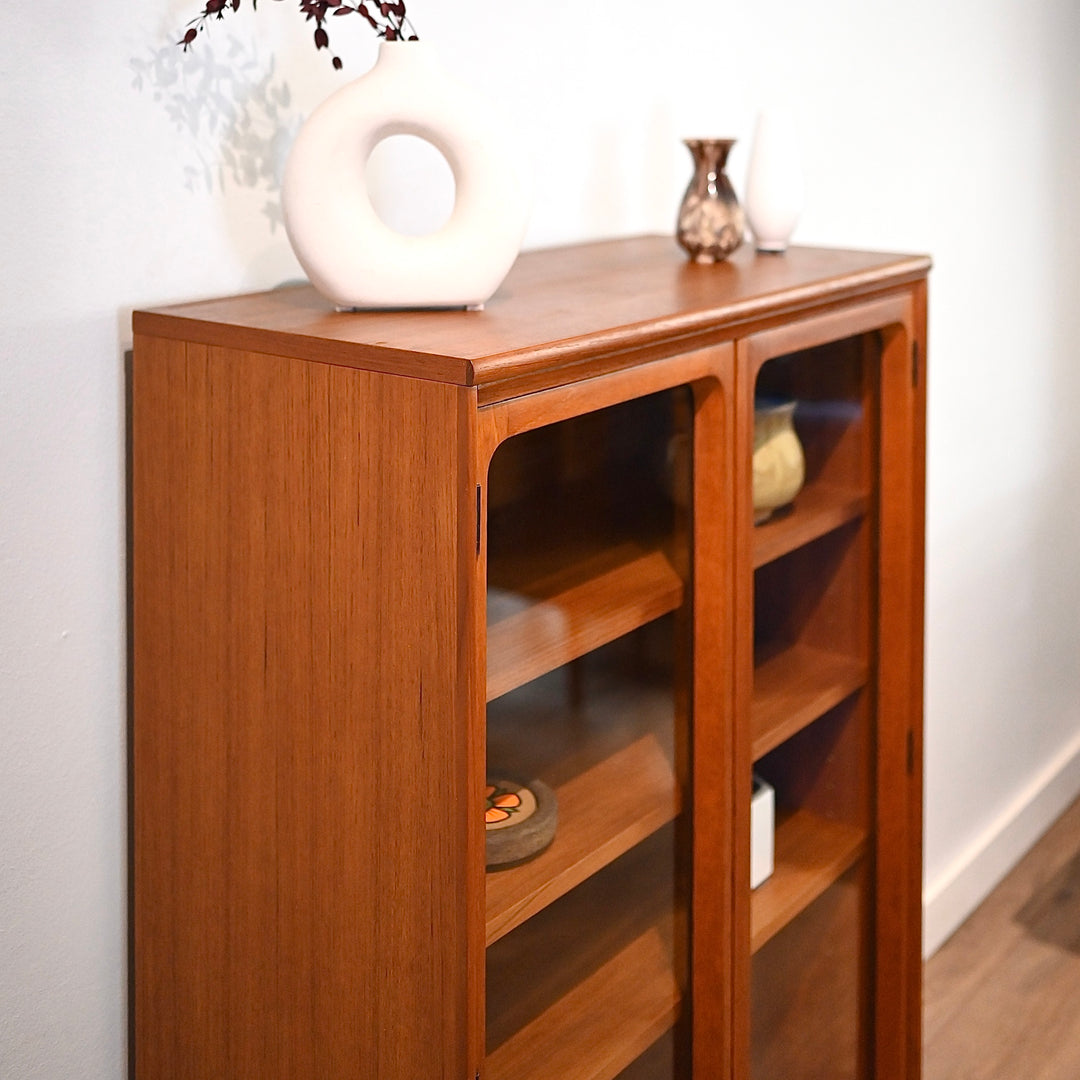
{"x":774,"y":181}
{"x":350,"y":255}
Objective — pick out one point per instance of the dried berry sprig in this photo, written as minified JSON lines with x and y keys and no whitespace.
{"x":388,"y":20}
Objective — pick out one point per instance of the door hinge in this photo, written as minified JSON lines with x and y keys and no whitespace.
{"x":478,"y":529}
{"x":911,"y":753}
{"x":915,"y":363}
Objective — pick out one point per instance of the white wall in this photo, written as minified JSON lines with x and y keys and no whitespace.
{"x":928,"y":127}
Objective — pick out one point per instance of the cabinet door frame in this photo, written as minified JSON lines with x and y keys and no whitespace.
{"x":709,"y":373}
{"x":898,"y":320}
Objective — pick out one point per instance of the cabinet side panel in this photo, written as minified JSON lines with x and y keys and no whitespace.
{"x":299,"y":746}
{"x":180,"y":858}
{"x":900,"y":695}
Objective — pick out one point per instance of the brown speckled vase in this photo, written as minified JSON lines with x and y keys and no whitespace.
{"x":711,"y":222}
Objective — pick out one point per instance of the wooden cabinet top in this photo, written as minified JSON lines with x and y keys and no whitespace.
{"x":557,"y":307}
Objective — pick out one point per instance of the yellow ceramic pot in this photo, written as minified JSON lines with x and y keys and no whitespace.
{"x":779,"y":464}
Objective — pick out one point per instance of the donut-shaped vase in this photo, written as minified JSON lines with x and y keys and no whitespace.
{"x":349,"y":254}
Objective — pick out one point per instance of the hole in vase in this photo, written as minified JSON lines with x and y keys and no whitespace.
{"x":411,"y":185}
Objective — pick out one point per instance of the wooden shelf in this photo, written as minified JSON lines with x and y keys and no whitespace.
{"x":822,"y":961}
{"x":584,"y":989}
{"x":609,"y":760}
{"x":600,"y":1027}
{"x":535,"y":626}
{"x":639,"y":795}
{"x":796,"y":686}
{"x":818,"y":509}
{"x":811,"y":853}
{"x":658,"y":1061}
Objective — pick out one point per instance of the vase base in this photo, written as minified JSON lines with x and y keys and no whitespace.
{"x":771,"y":249}
{"x":357,"y":308}
{"x":772,"y":512}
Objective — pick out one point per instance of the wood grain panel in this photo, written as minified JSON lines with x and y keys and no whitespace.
{"x":794,"y":688}
{"x":583,"y":607}
{"x":639,"y":291}
{"x":288,"y":532}
{"x":650,"y":371}
{"x":900,"y":692}
{"x":602,"y":1025}
{"x":662,"y":1061}
{"x":602,"y":977}
{"x":811,"y":854}
{"x":715,"y":774}
{"x":180,"y":771}
{"x":641,"y":796}
{"x":828,"y":767}
{"x":809,"y":992}
{"x":818,"y":509}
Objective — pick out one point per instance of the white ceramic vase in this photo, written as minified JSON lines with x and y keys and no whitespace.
{"x":350,"y":255}
{"x":774,"y":181}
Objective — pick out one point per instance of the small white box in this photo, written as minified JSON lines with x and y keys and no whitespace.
{"x":762,"y":816}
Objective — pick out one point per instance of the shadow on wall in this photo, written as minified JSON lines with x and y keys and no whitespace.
{"x":235,"y":113}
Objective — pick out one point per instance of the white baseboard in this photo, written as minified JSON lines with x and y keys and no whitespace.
{"x":956,"y":893}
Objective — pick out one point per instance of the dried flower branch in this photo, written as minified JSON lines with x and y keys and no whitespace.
{"x":388,"y":20}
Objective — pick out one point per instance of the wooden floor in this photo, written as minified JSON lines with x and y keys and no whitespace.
{"x":1003,"y":994}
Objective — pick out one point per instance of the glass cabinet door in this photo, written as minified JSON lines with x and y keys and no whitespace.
{"x":812,"y":715}
{"x":588,"y":746}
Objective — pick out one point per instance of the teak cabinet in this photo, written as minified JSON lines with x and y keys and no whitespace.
{"x":379,"y":557}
